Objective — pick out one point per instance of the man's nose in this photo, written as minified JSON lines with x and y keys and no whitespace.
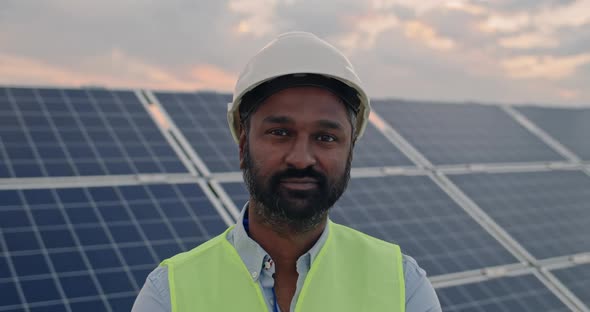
{"x":301,"y":154}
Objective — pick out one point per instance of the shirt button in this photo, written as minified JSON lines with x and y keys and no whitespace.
{"x":254,"y":274}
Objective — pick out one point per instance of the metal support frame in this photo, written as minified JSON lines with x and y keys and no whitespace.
{"x":541,"y":134}
{"x":178,"y":135}
{"x":165,"y":132}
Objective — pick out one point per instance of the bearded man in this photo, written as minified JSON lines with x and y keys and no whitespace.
{"x":297,"y":111}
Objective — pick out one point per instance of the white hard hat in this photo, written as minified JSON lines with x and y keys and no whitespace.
{"x":296,"y":59}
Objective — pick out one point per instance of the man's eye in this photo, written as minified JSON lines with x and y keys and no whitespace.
{"x":279,"y":132}
{"x":326,"y":138}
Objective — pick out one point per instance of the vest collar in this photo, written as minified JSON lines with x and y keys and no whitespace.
{"x":254,"y":256}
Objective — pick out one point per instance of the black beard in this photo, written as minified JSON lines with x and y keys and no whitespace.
{"x":296,"y":211}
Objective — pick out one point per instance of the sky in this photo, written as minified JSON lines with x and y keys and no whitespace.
{"x":516,"y":52}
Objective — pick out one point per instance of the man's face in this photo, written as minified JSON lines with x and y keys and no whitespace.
{"x":296,"y":157}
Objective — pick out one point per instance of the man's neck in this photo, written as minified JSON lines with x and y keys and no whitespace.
{"x":283,"y":244}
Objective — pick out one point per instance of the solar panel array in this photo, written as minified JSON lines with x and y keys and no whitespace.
{"x":81,"y":226}
{"x":52,"y":132}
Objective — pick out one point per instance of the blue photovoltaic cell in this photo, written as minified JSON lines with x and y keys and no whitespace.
{"x":577,"y":280}
{"x":571,"y":127}
{"x":374,"y":150}
{"x":78,"y":132}
{"x":98,"y":260}
{"x":202,"y":119}
{"x":520,"y":293}
{"x":548,"y":213}
{"x":448,"y":134}
{"x":413,"y":212}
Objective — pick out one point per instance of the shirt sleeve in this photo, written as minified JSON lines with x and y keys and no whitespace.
{"x":155,"y":293}
{"x":420,"y":295}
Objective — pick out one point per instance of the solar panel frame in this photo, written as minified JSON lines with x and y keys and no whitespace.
{"x":125,"y":256}
{"x":460,"y":134}
{"x":234,"y":195}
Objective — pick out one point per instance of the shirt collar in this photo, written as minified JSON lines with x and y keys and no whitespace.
{"x":253,"y":255}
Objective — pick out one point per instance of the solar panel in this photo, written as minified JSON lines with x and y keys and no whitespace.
{"x":201,"y":117}
{"x":92,"y":248}
{"x":374,"y":150}
{"x":548,"y":213}
{"x":415,"y":213}
{"x":518,"y":293}
{"x":577,"y":280}
{"x":448,"y":134}
{"x":569,"y":126}
{"x":77,"y":132}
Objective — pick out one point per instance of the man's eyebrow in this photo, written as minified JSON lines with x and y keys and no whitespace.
{"x":278,"y":120}
{"x":330,"y":124}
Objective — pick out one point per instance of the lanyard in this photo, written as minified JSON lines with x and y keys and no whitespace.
{"x":276,"y":307}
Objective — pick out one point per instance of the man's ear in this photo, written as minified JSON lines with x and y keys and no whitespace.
{"x":242,"y":145}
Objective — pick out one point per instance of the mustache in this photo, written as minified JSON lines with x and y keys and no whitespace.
{"x":308,"y":172}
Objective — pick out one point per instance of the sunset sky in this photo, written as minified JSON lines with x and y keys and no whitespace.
{"x":526,"y":51}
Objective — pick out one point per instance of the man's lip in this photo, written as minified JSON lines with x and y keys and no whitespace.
{"x":301,"y":184}
{"x":299,"y":180}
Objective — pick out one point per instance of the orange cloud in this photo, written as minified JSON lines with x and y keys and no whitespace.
{"x":368,"y":29}
{"x":22,"y":70}
{"x":505,"y":23}
{"x":466,"y":7}
{"x":213,"y":77}
{"x":427,"y":35}
{"x":529,"y":40}
{"x":548,"y":67}
{"x":116,"y":70}
{"x":258,"y":16}
{"x":568,"y":94}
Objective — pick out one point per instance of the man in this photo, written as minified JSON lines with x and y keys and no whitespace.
{"x":298,"y":109}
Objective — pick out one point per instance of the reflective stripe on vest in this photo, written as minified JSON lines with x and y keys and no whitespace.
{"x":352,"y":272}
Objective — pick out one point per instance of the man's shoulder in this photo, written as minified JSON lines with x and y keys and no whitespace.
{"x":194,"y":253}
{"x":411,"y":268}
{"x":365,"y":237}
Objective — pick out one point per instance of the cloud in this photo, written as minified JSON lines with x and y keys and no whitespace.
{"x":258,"y":17}
{"x":213,"y":78}
{"x":504,"y":50}
{"x":574,"y":14}
{"x":20,"y":70}
{"x":546,"y":19}
{"x":427,"y":35}
{"x":117,"y":70}
{"x":546,"y":67}
{"x":368,"y":28}
{"x":529,"y":40}
{"x":466,"y":7}
{"x":418,"y":7}
{"x":505,"y":23}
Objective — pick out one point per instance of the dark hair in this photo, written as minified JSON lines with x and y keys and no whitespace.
{"x":254,"y":98}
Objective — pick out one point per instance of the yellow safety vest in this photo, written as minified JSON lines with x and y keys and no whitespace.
{"x":352,"y":272}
